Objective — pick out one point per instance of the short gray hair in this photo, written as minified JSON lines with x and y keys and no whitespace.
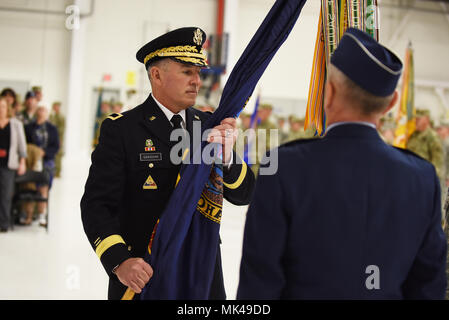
{"x":365,"y":102}
{"x":157,"y":63}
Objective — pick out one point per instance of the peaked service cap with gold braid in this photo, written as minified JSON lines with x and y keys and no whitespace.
{"x":184,"y":45}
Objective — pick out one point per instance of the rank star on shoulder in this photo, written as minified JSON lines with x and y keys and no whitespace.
{"x":202,"y":311}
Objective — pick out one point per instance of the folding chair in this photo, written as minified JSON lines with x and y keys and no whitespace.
{"x":24,"y":195}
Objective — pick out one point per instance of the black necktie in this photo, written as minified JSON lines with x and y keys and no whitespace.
{"x":176,"y":120}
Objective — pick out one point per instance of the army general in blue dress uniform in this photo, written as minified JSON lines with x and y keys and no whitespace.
{"x":132,"y":174}
{"x":347,"y":216}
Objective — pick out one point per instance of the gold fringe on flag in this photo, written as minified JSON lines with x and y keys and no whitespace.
{"x":405,"y":120}
{"x":344,"y":20}
{"x":335,"y":17}
{"x":317,"y":80}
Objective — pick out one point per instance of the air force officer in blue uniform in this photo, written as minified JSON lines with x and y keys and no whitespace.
{"x":347,"y":216}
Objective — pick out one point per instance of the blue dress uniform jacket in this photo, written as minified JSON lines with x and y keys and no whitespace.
{"x":121,"y":203}
{"x":52,"y":146}
{"x":345,"y":217}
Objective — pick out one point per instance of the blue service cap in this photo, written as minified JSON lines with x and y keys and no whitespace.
{"x":366,"y":62}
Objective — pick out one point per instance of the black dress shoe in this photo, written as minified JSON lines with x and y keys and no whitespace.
{"x":3,"y":230}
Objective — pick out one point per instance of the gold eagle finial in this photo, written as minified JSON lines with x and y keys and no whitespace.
{"x":198,"y":37}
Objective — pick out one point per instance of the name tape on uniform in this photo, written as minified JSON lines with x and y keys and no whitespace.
{"x":155,"y":156}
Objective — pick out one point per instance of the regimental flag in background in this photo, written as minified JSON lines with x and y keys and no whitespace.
{"x":335,"y":17}
{"x":97,"y":117}
{"x":405,"y":121}
{"x":184,"y":246}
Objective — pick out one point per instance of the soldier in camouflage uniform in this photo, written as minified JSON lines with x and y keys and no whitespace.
{"x":245,"y":138}
{"x":59,"y":121}
{"x":296,"y":129}
{"x":386,"y":128}
{"x":117,"y":107}
{"x":283,"y":133}
{"x":310,"y":132}
{"x":105,"y":109}
{"x":424,"y":141}
{"x":245,"y":119}
{"x":263,"y":115}
{"x":443,"y":132}
{"x":446,"y":231}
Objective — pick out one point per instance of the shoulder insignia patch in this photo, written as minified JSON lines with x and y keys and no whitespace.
{"x":115,"y":116}
{"x":149,"y":183}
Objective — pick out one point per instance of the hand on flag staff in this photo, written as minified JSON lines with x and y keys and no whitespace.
{"x":226,"y":134}
{"x":134,"y":273}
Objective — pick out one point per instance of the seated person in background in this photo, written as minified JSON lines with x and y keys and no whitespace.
{"x":105,"y":110}
{"x":33,"y":163}
{"x":44,"y":135}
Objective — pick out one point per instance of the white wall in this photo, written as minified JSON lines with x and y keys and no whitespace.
{"x":288,"y":75}
{"x":285,"y":82}
{"x":38,"y":48}
{"x":35,"y":48}
{"x":118,"y":29}
{"x":429,"y":34}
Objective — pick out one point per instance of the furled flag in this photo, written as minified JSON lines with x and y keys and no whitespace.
{"x":335,"y":17}
{"x":185,"y":242}
{"x":252,"y":125}
{"x":405,"y":121}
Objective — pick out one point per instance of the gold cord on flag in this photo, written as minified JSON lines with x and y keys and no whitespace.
{"x":317,"y":80}
{"x":405,"y":120}
{"x":335,"y":17}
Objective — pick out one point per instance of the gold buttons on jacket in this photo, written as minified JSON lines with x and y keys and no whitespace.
{"x":151,"y":165}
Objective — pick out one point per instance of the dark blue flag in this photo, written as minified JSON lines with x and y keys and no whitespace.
{"x":184,"y":248}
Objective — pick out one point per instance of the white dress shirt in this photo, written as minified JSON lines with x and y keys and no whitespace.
{"x":170,"y":114}
{"x":182,"y":113}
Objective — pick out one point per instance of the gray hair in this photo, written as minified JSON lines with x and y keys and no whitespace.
{"x":158,"y":63}
{"x":365,"y":102}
